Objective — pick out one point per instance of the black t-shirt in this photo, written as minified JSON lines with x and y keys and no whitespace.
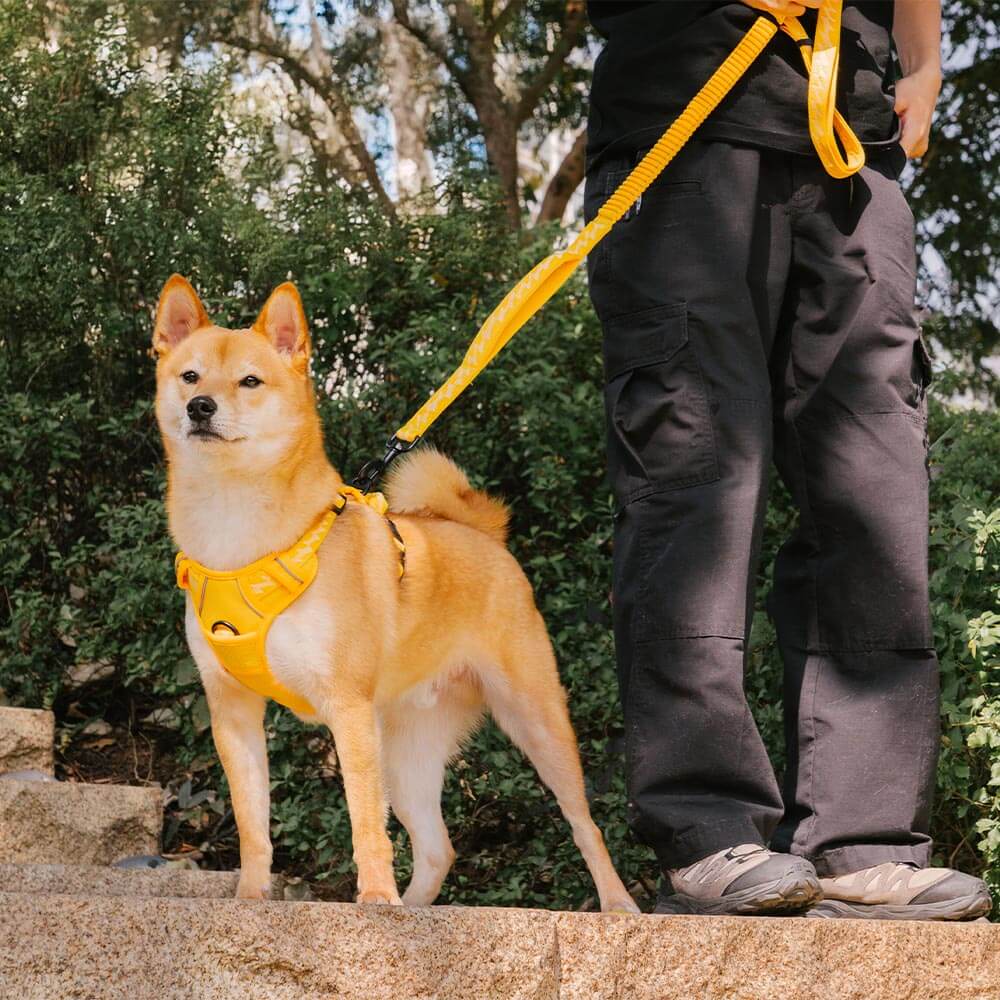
{"x":658,"y":54}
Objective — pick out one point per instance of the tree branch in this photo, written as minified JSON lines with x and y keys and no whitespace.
{"x":504,"y":17}
{"x":576,"y":16}
{"x":468,"y":21}
{"x":328,"y":93}
{"x":434,"y":42}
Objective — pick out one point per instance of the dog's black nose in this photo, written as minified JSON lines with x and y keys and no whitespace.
{"x":201,"y":408}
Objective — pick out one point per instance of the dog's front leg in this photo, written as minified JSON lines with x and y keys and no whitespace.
{"x":238,"y":730}
{"x":355,"y":733}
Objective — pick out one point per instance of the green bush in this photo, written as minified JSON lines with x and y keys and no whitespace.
{"x":107,"y":184}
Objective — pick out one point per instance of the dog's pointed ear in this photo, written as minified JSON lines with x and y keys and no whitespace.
{"x":283,"y":322}
{"x":178,"y":313}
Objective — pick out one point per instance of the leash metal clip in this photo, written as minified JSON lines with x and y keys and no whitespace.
{"x":371,"y":471}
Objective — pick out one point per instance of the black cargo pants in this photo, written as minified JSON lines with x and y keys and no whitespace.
{"x":755,"y":308}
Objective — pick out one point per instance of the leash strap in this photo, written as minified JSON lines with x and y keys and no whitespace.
{"x":826,"y":126}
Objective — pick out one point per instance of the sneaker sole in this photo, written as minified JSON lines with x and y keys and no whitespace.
{"x":789,"y":895}
{"x":962,"y":908}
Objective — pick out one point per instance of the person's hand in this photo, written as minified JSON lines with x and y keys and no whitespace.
{"x":782,"y":8}
{"x":916,"y":96}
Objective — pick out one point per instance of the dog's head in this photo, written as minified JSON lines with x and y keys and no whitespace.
{"x":231,"y":399}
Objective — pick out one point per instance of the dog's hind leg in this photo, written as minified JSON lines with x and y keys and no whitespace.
{"x":529,"y":704}
{"x":417,"y":743}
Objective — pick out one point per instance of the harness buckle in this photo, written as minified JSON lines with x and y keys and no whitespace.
{"x":181,"y":571}
{"x":372,"y":471}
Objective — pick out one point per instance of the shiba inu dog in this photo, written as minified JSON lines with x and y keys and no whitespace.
{"x":400,"y":668}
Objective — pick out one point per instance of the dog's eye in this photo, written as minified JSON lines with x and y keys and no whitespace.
{"x":190,"y":377}
{"x":251,"y":381}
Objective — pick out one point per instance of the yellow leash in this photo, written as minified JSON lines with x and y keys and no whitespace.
{"x":826,"y":126}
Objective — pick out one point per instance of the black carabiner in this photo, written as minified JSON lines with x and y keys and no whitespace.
{"x":372,"y":471}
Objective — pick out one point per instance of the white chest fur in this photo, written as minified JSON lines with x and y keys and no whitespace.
{"x":300,"y":646}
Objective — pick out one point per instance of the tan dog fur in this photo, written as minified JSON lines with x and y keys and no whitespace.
{"x":401,"y":671}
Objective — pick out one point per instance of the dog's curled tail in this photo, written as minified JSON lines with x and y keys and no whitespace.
{"x":427,"y":482}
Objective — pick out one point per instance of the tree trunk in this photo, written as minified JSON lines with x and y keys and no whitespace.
{"x":564,"y":182}
{"x":331,"y":146}
{"x":409,"y":100}
{"x":495,"y":114}
{"x":312,"y":74}
{"x":499,"y":115}
{"x":500,"y":134}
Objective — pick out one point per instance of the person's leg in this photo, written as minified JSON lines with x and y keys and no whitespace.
{"x":687,"y":290}
{"x":850,"y":595}
{"x":850,"y":599}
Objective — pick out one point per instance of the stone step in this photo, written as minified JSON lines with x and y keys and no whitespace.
{"x":26,"y":739}
{"x":55,"y":822}
{"x":74,"y":946}
{"x":100,"y":880}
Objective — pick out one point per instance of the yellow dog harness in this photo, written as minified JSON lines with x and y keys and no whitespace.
{"x":236,"y":608}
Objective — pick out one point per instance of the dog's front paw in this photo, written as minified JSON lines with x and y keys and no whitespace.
{"x":624,"y":904}
{"x":249,"y":888}
{"x":380,"y":896}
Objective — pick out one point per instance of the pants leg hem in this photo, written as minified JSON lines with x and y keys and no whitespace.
{"x":686,"y":848}
{"x":844,"y":860}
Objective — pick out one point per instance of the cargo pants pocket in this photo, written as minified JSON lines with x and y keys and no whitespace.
{"x":659,"y":423}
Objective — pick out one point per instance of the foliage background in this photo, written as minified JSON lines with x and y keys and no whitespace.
{"x":111,"y":177}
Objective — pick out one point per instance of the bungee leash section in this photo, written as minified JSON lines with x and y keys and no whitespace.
{"x":826,"y":127}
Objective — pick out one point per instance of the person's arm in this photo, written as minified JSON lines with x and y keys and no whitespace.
{"x":916,"y":29}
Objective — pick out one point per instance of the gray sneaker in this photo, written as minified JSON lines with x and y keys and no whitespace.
{"x":904,"y":891}
{"x":745,"y":879}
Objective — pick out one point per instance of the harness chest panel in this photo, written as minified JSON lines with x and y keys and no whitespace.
{"x":236,"y":608}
